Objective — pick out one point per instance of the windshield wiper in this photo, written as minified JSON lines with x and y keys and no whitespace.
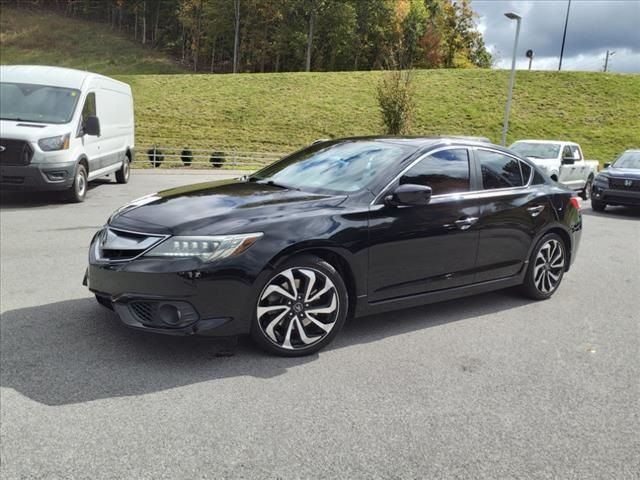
{"x":274,"y":184}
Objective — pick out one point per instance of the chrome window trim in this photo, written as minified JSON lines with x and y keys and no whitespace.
{"x":469,"y":148}
{"x":99,"y":258}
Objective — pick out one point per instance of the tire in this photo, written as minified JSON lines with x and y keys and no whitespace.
{"x":301,"y":307}
{"x":78,"y":190}
{"x":122,"y":175}
{"x":546,"y":268}
{"x":597,"y":205}
{"x":585,"y":194}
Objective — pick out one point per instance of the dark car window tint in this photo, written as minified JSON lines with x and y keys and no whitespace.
{"x":526,"y":172}
{"x":498,"y":170}
{"x":538,"y":179}
{"x":446,"y":171}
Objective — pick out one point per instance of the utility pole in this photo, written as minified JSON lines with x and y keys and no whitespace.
{"x":564,"y":35}
{"x":607,"y":57}
{"x":512,"y":78}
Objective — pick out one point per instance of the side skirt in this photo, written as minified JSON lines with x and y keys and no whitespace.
{"x":365,"y":308}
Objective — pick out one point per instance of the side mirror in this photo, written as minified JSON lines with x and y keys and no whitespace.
{"x":568,"y":160}
{"x":607,"y":164}
{"x":91,"y":126}
{"x":409,"y":194}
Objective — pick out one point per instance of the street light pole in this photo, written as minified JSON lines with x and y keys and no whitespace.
{"x":512,"y":79}
{"x":564,"y":35}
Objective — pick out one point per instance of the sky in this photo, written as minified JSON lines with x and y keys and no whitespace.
{"x":594,"y":26}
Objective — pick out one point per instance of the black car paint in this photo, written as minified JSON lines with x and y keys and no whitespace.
{"x":390,"y":257}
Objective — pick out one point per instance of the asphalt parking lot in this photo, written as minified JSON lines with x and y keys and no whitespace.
{"x":493,"y":386}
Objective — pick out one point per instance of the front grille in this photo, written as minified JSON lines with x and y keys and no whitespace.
{"x":625,"y":184}
{"x":623,"y":200}
{"x":15,"y":152}
{"x":118,"y":245}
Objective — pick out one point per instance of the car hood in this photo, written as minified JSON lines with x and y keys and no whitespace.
{"x":31,"y":132}
{"x":622,"y":173}
{"x":214,"y":208}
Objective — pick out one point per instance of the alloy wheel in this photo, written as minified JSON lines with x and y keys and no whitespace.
{"x":81,"y":183}
{"x":548,"y":266}
{"x":298,"y":308}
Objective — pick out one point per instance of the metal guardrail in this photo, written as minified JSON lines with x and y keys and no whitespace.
{"x":157,"y":156}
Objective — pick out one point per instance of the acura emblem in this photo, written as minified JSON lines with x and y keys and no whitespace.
{"x":2,"y":149}
{"x":627,"y":183}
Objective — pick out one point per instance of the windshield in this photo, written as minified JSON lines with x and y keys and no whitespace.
{"x":343,"y":167}
{"x":536,"y":150}
{"x":628,"y":160}
{"x":25,"y":102}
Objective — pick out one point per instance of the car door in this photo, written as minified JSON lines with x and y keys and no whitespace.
{"x":566,"y":171}
{"x":579,"y":175}
{"x":417,"y":249}
{"x":91,"y":143}
{"x":513,"y":206}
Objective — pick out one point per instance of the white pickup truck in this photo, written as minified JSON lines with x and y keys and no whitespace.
{"x":563,"y":162}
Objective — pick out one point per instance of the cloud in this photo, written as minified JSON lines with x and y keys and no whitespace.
{"x":594,"y":27}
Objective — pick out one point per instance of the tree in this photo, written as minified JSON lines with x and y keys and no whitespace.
{"x":395,"y":96}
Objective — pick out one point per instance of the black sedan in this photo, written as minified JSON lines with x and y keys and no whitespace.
{"x":342,"y":228}
{"x":619,"y":183}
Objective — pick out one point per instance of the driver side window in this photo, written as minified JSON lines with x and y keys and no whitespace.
{"x":446,"y":171}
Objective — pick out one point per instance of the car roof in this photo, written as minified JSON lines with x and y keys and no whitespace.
{"x":554,"y":142}
{"x":422,"y":142}
{"x":45,"y":75}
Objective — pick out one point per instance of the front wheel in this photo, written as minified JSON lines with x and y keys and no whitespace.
{"x":597,"y":205}
{"x":546,"y":268}
{"x":78,"y":189}
{"x":301,"y":308}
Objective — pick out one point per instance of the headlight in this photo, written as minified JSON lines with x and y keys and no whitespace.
{"x":602,"y":180}
{"x":207,"y":249}
{"x":61,"y":142}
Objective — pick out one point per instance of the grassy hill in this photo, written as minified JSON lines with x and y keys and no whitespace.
{"x":281,"y":112}
{"x":35,"y":37}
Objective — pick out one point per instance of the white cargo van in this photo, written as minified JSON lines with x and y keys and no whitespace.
{"x":61,"y":128}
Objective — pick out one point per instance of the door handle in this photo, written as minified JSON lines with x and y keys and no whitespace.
{"x":465,"y":223}
{"x":535,"y":211}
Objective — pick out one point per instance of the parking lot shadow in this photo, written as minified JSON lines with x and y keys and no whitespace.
{"x":76,"y":351}
{"x":10,"y":200}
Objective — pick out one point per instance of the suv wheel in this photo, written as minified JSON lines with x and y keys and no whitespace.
{"x":301,"y":307}
{"x":597,"y":205}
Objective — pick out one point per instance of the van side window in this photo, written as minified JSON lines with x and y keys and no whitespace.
{"x":89,"y":109}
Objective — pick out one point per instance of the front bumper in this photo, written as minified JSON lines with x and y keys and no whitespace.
{"x":175,"y":303}
{"x":612,"y":196}
{"x":38,"y":176}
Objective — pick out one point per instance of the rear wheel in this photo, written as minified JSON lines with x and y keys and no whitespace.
{"x":585,"y":194}
{"x":78,"y":189}
{"x":122,"y":175}
{"x":301,"y":308}
{"x":597,"y":205}
{"x":546,"y":268}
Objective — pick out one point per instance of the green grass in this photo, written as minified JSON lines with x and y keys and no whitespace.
{"x":282,"y":112}
{"x":32,"y":37}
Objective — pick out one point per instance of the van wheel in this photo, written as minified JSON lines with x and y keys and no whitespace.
{"x":122,"y":175}
{"x":78,"y":190}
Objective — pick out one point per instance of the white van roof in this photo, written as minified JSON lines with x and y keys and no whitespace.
{"x":52,"y":76}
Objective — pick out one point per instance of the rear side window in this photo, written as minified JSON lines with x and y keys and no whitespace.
{"x":446,"y":171}
{"x":499,"y":170}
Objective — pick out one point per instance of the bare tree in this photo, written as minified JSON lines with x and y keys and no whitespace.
{"x":144,"y":22}
{"x":312,"y":21}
